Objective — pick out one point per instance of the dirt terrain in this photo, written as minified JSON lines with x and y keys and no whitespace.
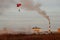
{"x":51,"y":36}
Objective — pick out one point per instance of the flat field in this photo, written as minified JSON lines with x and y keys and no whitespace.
{"x":51,"y":36}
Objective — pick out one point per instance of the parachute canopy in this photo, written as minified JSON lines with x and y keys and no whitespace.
{"x":19,"y":4}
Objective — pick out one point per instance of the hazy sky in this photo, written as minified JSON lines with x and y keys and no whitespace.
{"x":10,"y":17}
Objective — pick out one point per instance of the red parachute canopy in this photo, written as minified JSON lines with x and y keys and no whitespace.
{"x":19,"y":4}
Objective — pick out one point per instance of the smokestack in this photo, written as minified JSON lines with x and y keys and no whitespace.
{"x":49,"y":30}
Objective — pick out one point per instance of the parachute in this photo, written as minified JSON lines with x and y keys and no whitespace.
{"x":18,"y":6}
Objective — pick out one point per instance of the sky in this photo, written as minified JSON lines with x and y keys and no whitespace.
{"x":24,"y":20}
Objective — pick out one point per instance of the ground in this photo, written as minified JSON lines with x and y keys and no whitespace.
{"x":51,"y":36}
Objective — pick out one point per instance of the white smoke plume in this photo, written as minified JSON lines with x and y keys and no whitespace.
{"x":29,"y":5}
